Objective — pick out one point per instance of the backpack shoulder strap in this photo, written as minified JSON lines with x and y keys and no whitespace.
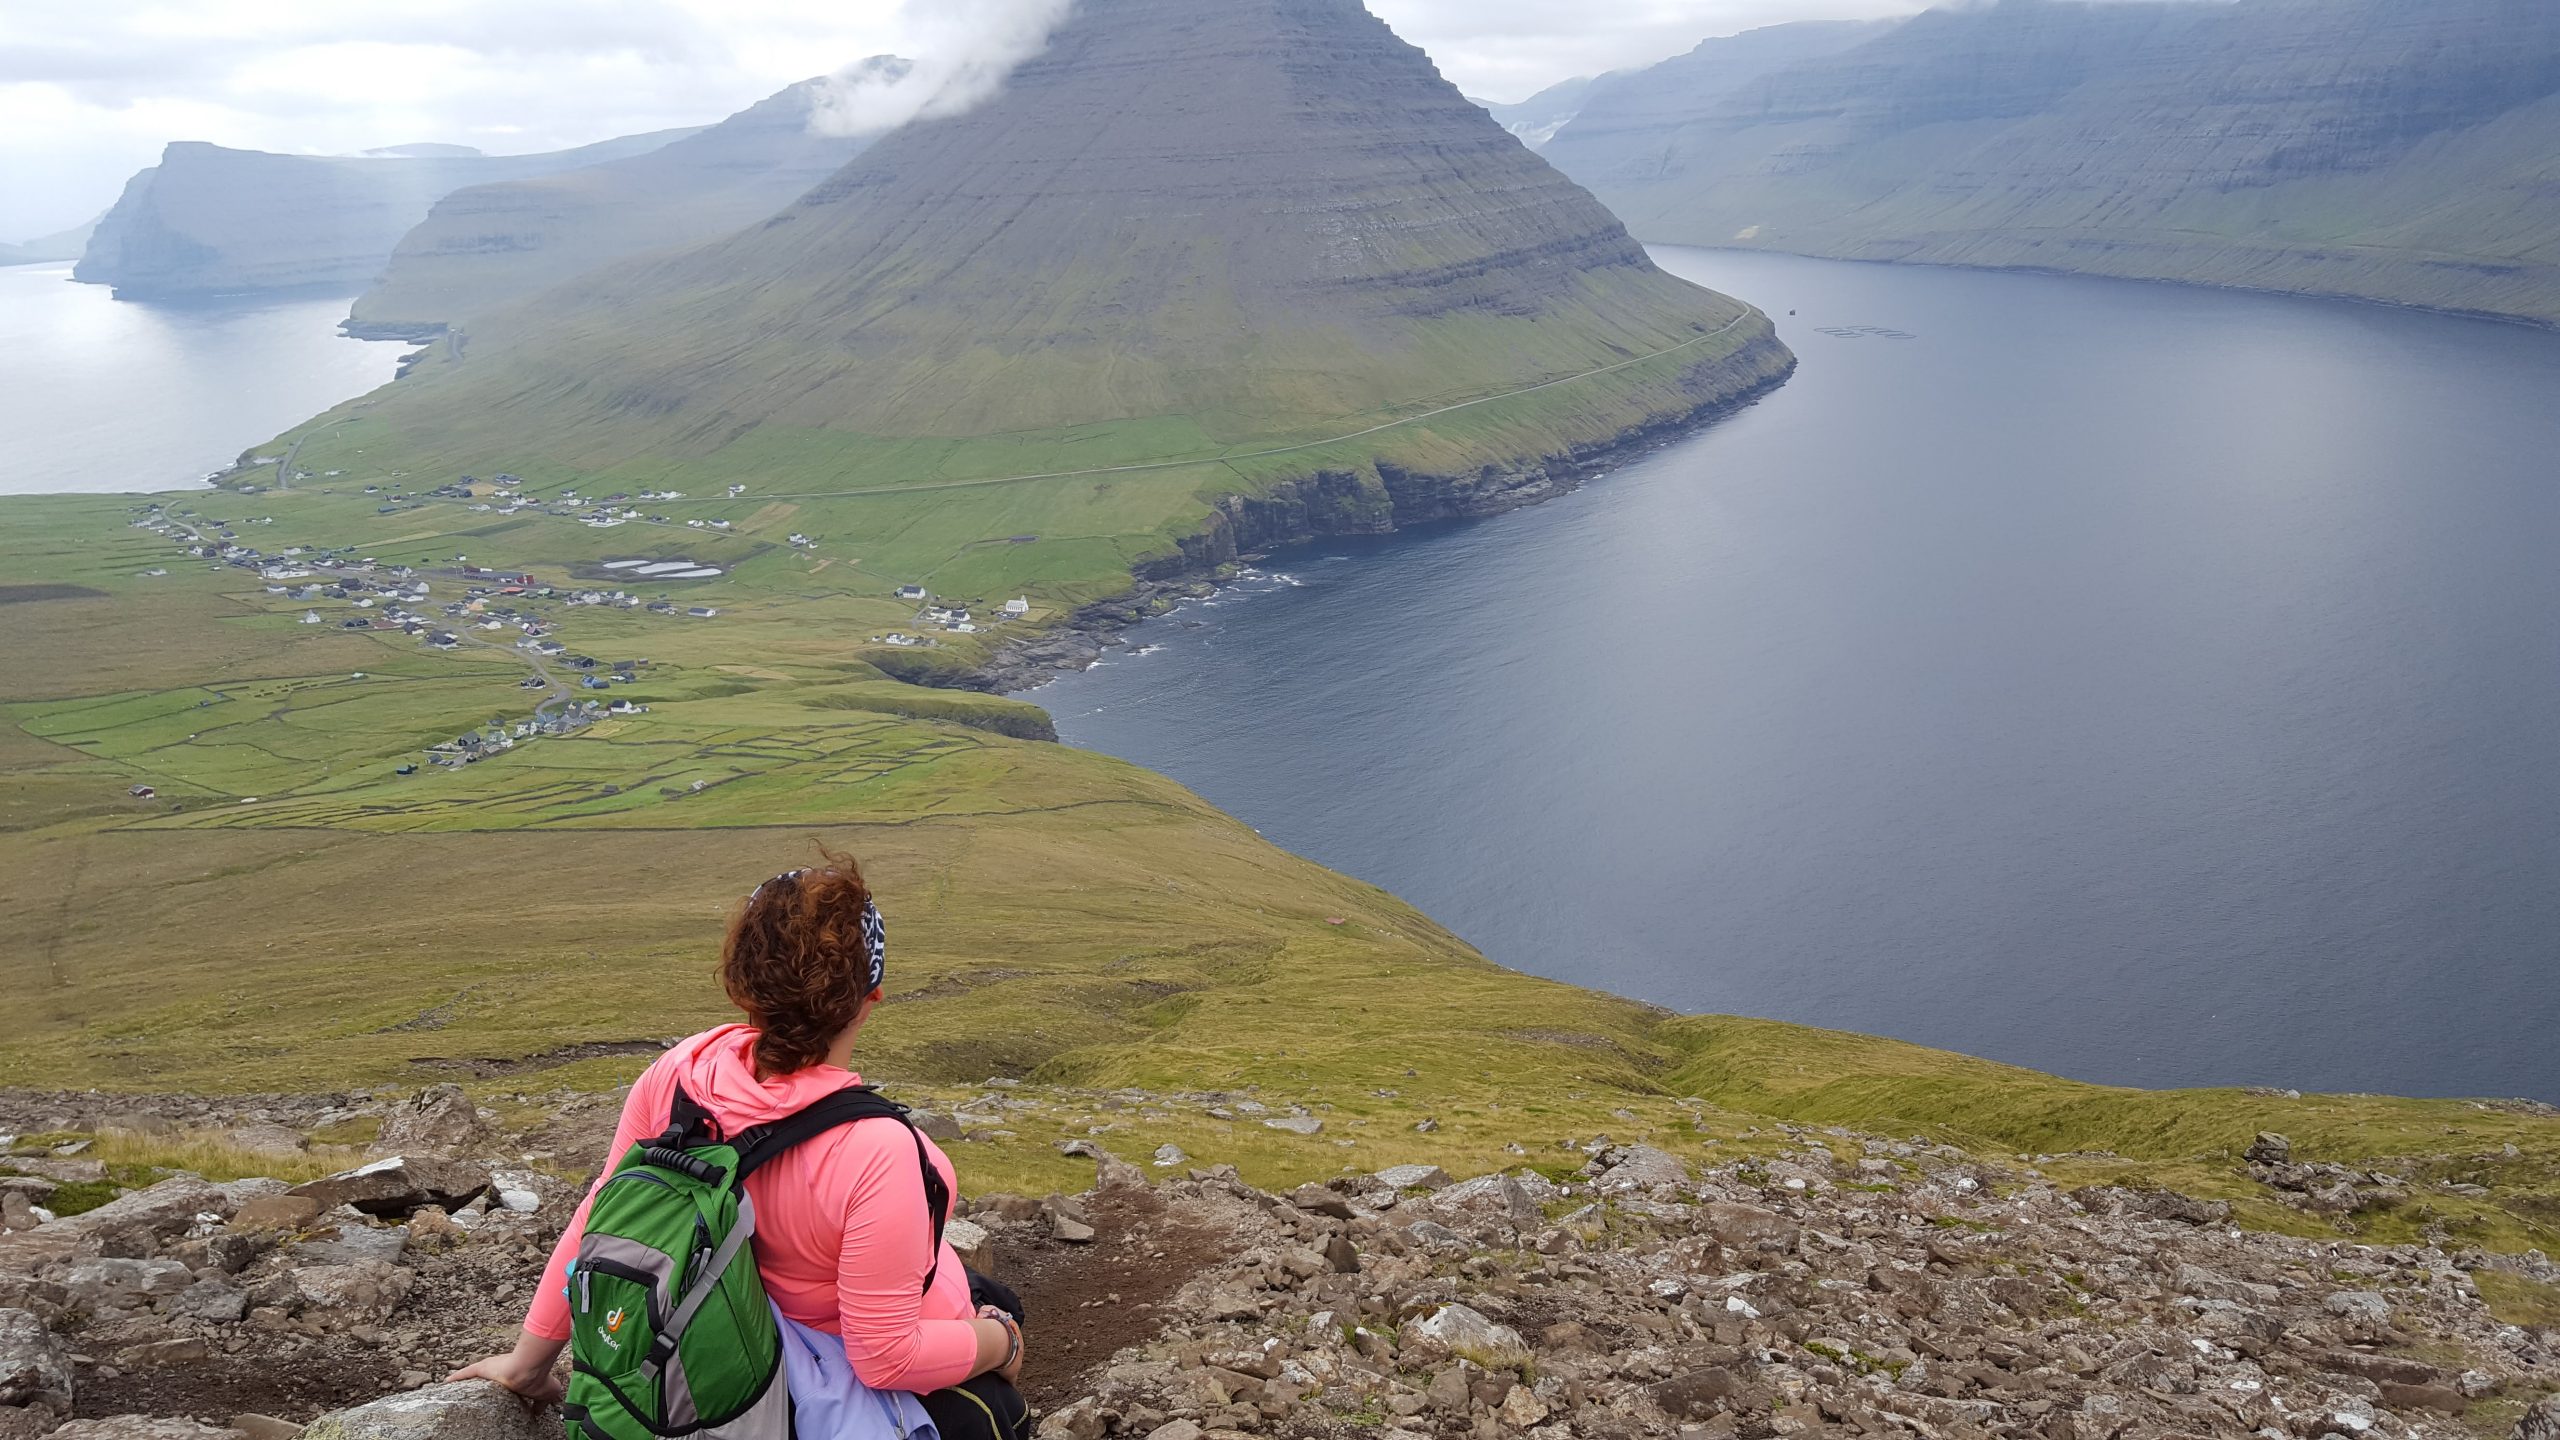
{"x":765,"y":1143}
{"x":770,"y":1141}
{"x":689,"y":1124}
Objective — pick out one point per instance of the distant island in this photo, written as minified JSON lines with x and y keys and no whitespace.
{"x":49,"y":249}
{"x":208,"y":220}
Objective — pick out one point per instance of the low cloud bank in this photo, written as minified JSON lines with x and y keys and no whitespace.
{"x":962,"y":49}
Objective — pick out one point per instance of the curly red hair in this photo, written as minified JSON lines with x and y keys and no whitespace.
{"x":797,"y":962}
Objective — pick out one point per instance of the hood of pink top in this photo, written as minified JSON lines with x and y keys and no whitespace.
{"x":718,"y":1069}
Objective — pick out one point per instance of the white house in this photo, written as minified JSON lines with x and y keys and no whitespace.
{"x":1019,"y":605}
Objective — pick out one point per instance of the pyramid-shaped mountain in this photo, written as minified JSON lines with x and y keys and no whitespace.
{"x":491,"y":245}
{"x":1190,"y":230}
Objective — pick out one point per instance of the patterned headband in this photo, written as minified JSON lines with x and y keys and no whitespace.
{"x":875,"y":932}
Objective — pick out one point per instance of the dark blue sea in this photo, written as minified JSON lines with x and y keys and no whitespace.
{"x":2151,"y":685}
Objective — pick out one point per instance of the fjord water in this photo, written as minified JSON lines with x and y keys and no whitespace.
{"x":2152,"y":685}
{"x":98,"y":394}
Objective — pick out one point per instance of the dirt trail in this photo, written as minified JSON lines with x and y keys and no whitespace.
{"x":1087,"y":1302}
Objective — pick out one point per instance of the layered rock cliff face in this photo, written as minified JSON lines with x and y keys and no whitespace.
{"x":208,"y":220}
{"x":2400,"y":150}
{"x":1258,"y":216}
{"x":488,"y":245}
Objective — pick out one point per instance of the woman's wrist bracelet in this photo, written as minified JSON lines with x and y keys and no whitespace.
{"x":1013,"y":1346}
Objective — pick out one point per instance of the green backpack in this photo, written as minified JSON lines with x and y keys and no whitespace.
{"x":670,"y":1331}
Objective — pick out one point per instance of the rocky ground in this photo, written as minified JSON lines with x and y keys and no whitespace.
{"x":1848,"y":1285}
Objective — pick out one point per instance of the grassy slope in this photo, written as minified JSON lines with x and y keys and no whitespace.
{"x":2451,"y":227}
{"x":2274,"y":145}
{"x":901,"y":509}
{"x":1057,"y":914}
{"x":488,"y":245}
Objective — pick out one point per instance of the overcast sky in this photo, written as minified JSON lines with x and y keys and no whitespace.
{"x":91,"y":89}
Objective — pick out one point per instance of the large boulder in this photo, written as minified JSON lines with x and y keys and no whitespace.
{"x":1631,"y":1168}
{"x":17,"y":1212}
{"x":363,"y":1293}
{"x":1747,"y":1227}
{"x":35,"y":1371}
{"x":2366,"y":1307}
{"x":1317,"y":1200}
{"x":439,"y":1120}
{"x":1468,"y":1334}
{"x":61,"y":1172}
{"x":95,"y":1286}
{"x":351,"y":1242}
{"x":971,"y":1242}
{"x":1517,"y":1199}
{"x":2542,"y":1422}
{"x":1698,"y":1393}
{"x":1415,"y":1177}
{"x":277,"y":1212}
{"x":133,"y":1224}
{"x":396,"y":1187}
{"x":211,"y":1301}
{"x":472,"y":1410}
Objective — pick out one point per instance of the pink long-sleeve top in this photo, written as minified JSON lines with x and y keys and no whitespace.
{"x":842,"y":1234}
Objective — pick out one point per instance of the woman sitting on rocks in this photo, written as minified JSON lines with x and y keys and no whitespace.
{"x":843,"y":1236}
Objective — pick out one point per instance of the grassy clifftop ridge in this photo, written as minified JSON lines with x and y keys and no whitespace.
{"x":288,"y":913}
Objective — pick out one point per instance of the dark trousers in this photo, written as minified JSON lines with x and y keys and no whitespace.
{"x":987,"y":1408}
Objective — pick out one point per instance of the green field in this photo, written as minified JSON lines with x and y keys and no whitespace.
{"x":1055,"y":914}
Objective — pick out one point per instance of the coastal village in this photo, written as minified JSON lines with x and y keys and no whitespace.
{"x":459,"y":605}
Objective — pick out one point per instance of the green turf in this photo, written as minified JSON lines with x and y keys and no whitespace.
{"x":1056,"y":914}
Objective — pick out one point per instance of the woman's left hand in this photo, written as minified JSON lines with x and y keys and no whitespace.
{"x":528,"y":1370}
{"x":1011,"y":1369}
